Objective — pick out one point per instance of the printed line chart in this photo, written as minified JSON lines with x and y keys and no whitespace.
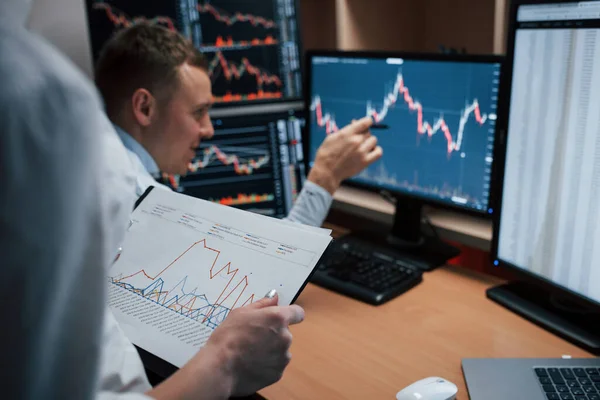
{"x":192,"y":303}
{"x":187,"y":264}
{"x":198,"y":268}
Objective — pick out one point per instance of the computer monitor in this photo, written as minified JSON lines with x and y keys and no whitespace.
{"x":253,"y":47}
{"x":439,"y":112}
{"x":548,"y":225}
{"x":254,"y":162}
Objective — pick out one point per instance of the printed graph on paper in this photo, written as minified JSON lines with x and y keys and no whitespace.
{"x":252,"y":47}
{"x":187,"y":264}
{"x":175,"y":290}
{"x":441,"y":118}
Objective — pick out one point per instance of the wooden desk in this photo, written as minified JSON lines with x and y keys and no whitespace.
{"x":346,"y":349}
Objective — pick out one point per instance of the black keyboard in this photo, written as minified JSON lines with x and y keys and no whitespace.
{"x":570,"y":383}
{"x":364,"y":274}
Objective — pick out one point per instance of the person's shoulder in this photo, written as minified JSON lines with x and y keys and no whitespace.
{"x":33,"y":71}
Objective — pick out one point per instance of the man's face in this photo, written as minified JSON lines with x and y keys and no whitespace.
{"x":183,"y":122}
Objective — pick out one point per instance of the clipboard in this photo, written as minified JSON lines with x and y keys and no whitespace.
{"x":164,"y":369}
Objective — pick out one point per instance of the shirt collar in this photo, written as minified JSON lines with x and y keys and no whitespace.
{"x":132,"y":145}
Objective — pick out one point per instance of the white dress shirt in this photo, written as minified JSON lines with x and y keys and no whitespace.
{"x":66,"y":195}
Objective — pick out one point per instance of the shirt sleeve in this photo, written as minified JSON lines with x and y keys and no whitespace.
{"x":60,"y":225}
{"x":312,"y":205}
{"x":121,"y":370}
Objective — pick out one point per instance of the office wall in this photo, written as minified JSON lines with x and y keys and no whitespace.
{"x":458,"y":23}
{"x":318,"y":24}
{"x":64,"y":24}
{"x":379,"y":25}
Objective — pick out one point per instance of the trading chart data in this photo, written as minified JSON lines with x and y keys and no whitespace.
{"x":252,"y":47}
{"x":437,"y":119}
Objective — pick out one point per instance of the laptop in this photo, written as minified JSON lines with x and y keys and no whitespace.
{"x":532,"y":378}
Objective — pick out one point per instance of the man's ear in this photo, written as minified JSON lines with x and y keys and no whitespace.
{"x":144,"y":106}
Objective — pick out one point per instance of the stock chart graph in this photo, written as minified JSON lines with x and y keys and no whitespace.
{"x":440,"y":119}
{"x":253,"y":162}
{"x":249,"y":25}
{"x":252,"y":47}
{"x":174,"y":291}
{"x":243,"y":80}
{"x":186,"y":264}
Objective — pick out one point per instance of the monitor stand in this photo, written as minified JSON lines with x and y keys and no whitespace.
{"x":407,"y":237}
{"x":562,"y":316}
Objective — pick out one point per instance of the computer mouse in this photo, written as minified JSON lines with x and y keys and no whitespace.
{"x":433,"y":388}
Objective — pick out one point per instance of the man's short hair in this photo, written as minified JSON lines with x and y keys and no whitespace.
{"x":143,"y":55}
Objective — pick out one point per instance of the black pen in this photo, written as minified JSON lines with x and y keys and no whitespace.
{"x":379,"y":126}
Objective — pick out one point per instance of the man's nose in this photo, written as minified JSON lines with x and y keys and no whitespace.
{"x":207,"y":130}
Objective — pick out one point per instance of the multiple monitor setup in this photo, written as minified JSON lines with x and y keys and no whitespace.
{"x":548,"y":183}
{"x":548,"y":212}
{"x":255,"y":161}
{"x":514,"y":140}
{"x":253,"y":47}
{"x":436,"y":117}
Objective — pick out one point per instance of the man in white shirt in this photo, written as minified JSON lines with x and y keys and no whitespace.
{"x":67,"y":191}
{"x":157,"y":92}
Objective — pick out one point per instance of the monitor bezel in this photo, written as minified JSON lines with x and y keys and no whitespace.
{"x":417,"y":56}
{"x":503,"y":119}
{"x":223,"y":105}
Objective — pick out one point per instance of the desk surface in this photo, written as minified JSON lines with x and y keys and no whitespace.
{"x":350,"y":350}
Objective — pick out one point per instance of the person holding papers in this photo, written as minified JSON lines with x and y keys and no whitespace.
{"x":63,"y":214}
{"x":157,"y":93}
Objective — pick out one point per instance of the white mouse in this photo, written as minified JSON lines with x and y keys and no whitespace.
{"x":432,"y":388}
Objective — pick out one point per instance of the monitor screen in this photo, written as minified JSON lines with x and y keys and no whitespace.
{"x":439,"y":117}
{"x":252,"y":46}
{"x":550,"y":213}
{"x":254,"y":162}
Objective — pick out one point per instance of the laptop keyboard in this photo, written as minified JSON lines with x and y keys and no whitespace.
{"x":570,"y":383}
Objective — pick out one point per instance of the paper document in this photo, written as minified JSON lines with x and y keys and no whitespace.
{"x":186,"y":263}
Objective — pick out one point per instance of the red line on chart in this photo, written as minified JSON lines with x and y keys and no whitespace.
{"x":241,"y":166}
{"x":260,"y":95}
{"x":237,"y":17}
{"x":225,"y":293}
{"x":120,"y":19}
{"x":327,"y":120}
{"x":230,"y":43}
{"x":232,"y":71}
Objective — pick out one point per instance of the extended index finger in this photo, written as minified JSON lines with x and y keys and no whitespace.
{"x":357,"y":127}
{"x":362,"y":125}
{"x":293,"y":314}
